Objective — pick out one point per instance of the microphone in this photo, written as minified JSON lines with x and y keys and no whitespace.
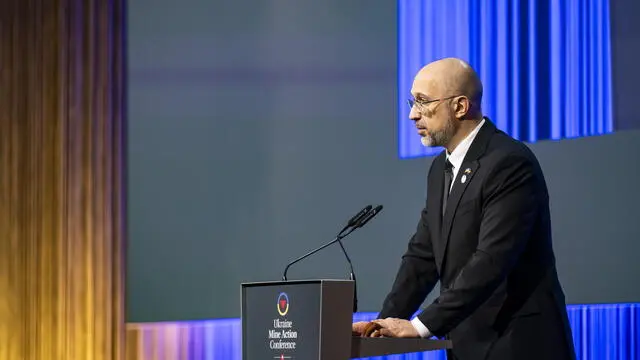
{"x":356,"y":218}
{"x":356,"y":222}
{"x":368,"y":216}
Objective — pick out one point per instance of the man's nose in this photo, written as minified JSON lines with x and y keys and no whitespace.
{"x":414,"y":114}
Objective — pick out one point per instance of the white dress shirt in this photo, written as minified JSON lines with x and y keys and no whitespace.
{"x":455,"y":158}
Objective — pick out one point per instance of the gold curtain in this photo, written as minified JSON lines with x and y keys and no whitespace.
{"x":62,"y":208}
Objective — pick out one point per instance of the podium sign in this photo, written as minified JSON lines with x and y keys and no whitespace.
{"x":297,"y":320}
{"x":311,"y":320}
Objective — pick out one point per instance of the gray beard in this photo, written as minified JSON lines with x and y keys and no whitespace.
{"x":439,"y":138}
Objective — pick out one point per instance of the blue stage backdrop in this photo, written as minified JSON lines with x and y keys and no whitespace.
{"x":599,"y":332}
{"x":546,"y":65}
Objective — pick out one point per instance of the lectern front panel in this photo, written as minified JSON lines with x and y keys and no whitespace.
{"x":283,"y":321}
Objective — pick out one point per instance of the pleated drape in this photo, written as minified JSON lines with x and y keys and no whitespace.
{"x":545,"y":64}
{"x":62,"y":209}
{"x":600,"y":331}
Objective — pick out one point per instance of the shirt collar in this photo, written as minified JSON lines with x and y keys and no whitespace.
{"x":458,"y":154}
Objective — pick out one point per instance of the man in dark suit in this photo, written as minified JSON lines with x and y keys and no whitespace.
{"x":484,"y":233}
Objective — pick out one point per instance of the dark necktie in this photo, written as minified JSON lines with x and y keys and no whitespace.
{"x":448,"y":177}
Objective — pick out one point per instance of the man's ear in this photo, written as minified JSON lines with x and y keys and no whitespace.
{"x":461,"y":107}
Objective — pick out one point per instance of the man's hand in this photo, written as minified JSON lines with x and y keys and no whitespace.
{"x":398,"y":328}
{"x":358,"y":328}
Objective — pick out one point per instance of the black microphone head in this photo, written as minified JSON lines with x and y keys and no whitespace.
{"x":359,"y":216}
{"x":369,"y":216}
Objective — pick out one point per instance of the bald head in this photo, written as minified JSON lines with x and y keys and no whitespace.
{"x":452,"y":77}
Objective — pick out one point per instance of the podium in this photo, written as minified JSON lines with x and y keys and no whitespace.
{"x":311,"y":320}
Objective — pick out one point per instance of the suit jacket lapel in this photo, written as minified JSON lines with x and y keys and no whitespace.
{"x":434,"y":197}
{"x":467,"y":171}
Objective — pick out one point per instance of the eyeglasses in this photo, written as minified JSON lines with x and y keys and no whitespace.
{"x":421,"y":103}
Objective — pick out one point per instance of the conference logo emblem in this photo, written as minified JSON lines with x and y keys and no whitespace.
{"x":283,"y":336}
{"x":283,"y":304}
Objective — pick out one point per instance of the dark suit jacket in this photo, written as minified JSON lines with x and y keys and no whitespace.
{"x":500,"y":297}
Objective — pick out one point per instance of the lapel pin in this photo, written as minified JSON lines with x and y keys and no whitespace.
{"x":467,"y":171}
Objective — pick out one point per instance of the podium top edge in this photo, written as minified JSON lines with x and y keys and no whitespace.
{"x":296,"y":282}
